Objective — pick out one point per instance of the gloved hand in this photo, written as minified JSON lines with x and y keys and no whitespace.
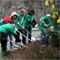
{"x":45,"y":25}
{"x":52,"y":28}
{"x":23,"y":27}
{"x":18,"y":23}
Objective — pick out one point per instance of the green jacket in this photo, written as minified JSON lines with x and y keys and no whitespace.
{"x":1,"y":22}
{"x":27,"y":19}
{"x":20,"y":20}
{"x":47,"y":21}
{"x":7,"y":29}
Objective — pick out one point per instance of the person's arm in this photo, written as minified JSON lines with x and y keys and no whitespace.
{"x":12,"y":29}
{"x":1,"y":22}
{"x":42,"y":21}
{"x":50,"y":22}
{"x":33,"y":23}
{"x":41,"y":27}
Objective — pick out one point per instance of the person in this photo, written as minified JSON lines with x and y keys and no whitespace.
{"x":6,"y":30}
{"x":45,"y":22}
{"x":18,"y":19}
{"x":34,"y":21}
{"x":4,"y":20}
{"x":28,"y":24}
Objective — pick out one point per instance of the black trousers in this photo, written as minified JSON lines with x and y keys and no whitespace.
{"x":29,"y":35}
{"x":3,"y":39}
{"x":17,"y":36}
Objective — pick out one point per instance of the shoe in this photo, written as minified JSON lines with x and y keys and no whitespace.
{"x":16,"y":46}
{"x":29,"y":41}
{"x":22,"y":44}
{"x":49,"y":46}
{"x":43,"y":45}
{"x":19,"y":43}
{"x":13,"y":49}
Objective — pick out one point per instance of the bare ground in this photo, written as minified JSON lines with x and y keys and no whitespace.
{"x":35,"y":51}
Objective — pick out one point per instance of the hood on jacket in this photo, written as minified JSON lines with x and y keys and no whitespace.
{"x":13,"y":13}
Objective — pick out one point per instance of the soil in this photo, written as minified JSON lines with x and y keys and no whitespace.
{"x":34,"y":51}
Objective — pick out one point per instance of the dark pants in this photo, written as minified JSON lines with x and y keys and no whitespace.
{"x":45,"y":39}
{"x":17,"y":36}
{"x":29,"y":35}
{"x":3,"y":38}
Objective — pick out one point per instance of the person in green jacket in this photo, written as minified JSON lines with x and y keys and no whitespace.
{"x":18,"y":19}
{"x":4,"y":21}
{"x":45,"y":22}
{"x":29,"y":17}
{"x":5,"y":30}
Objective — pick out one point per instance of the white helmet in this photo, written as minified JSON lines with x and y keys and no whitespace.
{"x":23,"y":10}
{"x":48,"y":15}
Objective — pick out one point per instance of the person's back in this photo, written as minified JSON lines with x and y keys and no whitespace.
{"x":46,"y":19}
{"x":8,"y":29}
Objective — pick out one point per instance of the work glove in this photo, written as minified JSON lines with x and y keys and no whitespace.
{"x":18,"y":23}
{"x":52,"y":28}
{"x":45,"y":25}
{"x":23,"y":27}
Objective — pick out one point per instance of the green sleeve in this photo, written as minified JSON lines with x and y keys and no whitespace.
{"x":20,"y":18}
{"x":14,"y":32}
{"x":50,"y":22}
{"x":44,"y":18}
{"x":12,"y":29}
{"x":1,"y":22}
{"x":18,"y":15}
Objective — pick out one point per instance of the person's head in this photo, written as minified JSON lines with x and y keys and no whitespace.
{"x":31,"y":11}
{"x":13,"y":23}
{"x":14,"y":15}
{"x":6,"y":19}
{"x":48,"y":15}
{"x":22,"y":12}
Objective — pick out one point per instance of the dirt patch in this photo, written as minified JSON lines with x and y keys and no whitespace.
{"x":34,"y":51}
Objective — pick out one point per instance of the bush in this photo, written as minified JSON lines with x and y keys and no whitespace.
{"x":54,"y":38}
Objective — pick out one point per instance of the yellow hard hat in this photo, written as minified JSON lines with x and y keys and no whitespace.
{"x":48,"y":15}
